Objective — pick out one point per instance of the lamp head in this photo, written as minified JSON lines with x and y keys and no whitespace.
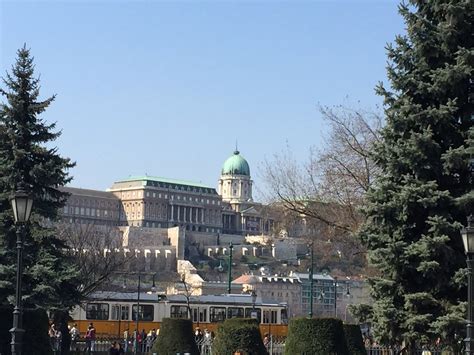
{"x":21,"y":203}
{"x":467,"y":234}
{"x":254,"y":296}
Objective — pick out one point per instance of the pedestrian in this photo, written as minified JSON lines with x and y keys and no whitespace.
{"x":143,"y":340}
{"x":136,"y":340}
{"x":113,"y":349}
{"x":149,"y":341}
{"x":120,"y":349}
{"x":266,"y":340}
{"x":90,"y":338}
{"x":75,"y":335}
{"x":126,"y":336}
{"x":52,"y":337}
{"x":59,"y":339}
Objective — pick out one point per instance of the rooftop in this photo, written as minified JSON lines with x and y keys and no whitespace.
{"x":164,"y":180}
{"x":87,"y":192}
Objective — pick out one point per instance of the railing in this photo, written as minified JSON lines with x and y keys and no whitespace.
{"x":380,"y":350}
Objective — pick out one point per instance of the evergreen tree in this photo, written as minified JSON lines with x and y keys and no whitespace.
{"x":49,"y":279}
{"x":418,"y":205}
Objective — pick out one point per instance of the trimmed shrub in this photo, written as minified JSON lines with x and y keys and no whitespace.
{"x":354,"y":341}
{"x":238,"y":334}
{"x":36,"y":325}
{"x":318,"y":336}
{"x":176,"y":336}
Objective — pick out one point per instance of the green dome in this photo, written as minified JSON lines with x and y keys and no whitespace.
{"x":236,"y":165}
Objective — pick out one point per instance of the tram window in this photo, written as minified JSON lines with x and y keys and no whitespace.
{"x":235,"y":312}
{"x":99,"y":311}
{"x":270,"y":316}
{"x":217,"y":314}
{"x":145,"y":312}
{"x":120,"y":311}
{"x":179,"y":312}
{"x":284,"y":316}
{"x":248,"y":313}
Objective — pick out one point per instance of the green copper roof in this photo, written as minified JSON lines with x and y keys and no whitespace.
{"x":236,"y":165}
{"x":165,"y":180}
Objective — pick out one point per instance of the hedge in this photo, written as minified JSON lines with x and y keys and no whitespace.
{"x":36,"y":325}
{"x":317,"y":336}
{"x":175,"y":336}
{"x":354,"y":341}
{"x":238,"y":334}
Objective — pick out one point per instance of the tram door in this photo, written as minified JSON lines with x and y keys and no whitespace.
{"x":199,"y":314}
{"x":120,"y":314}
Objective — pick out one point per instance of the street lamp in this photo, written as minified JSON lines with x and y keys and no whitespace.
{"x":153,"y":286}
{"x":21,"y":203}
{"x":254,"y":299}
{"x":231,"y":248}
{"x":137,"y":315}
{"x":335,"y":297}
{"x":467,"y":234}
{"x":311,"y":283}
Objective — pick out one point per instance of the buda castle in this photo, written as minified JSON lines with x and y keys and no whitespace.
{"x":156,"y":202}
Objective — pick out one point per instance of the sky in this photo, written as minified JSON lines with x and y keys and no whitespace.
{"x":166,"y":88}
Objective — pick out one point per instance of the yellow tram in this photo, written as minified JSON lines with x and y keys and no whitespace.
{"x":114,"y":312}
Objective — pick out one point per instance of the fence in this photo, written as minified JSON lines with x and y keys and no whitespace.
{"x":380,"y":350}
{"x":276,"y":346}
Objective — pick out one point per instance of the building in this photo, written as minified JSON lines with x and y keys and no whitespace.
{"x":157,"y":202}
{"x":332,"y":296}
{"x":283,"y":289}
{"x":323,"y":294}
{"x":86,"y":206}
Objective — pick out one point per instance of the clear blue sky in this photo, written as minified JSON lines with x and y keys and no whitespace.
{"x":166,"y":88}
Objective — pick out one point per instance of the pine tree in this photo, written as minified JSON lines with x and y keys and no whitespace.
{"x":418,"y":205}
{"x":50,"y":280}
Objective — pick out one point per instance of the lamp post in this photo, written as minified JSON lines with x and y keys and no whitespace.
{"x":137,"y":316}
{"x":21,"y":204}
{"x":231,"y":248}
{"x":311,"y":283}
{"x":335,"y":297}
{"x":467,"y":234}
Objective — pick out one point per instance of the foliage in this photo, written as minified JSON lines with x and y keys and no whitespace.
{"x":35,"y":340}
{"x":354,"y":341}
{"x":26,"y":156}
{"x":238,"y":334}
{"x":175,"y":336}
{"x":86,"y":245}
{"x":424,"y":190}
{"x":318,"y":336}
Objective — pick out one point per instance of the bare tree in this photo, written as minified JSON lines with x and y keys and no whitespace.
{"x":97,"y":251}
{"x":320,"y":198}
{"x":331,"y":185}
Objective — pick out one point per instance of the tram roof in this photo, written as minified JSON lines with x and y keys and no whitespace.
{"x":241,"y":299}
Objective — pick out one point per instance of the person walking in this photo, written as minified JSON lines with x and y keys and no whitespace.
{"x":90,"y":338}
{"x":126,"y":336}
{"x":75,"y":335}
{"x":52,"y":333}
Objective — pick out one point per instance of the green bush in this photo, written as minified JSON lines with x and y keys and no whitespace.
{"x":176,"y":336}
{"x":318,"y":336}
{"x":354,"y":341}
{"x":238,"y":334}
{"x":36,"y":325}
